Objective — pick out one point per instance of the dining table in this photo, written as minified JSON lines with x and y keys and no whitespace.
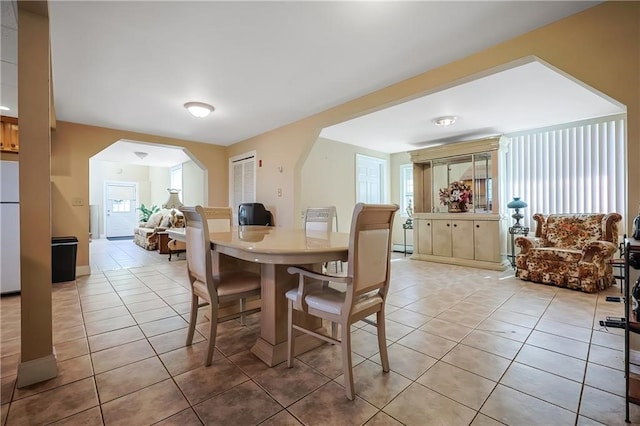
{"x":271,"y":250}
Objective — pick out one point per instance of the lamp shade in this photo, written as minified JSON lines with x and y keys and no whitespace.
{"x":173,"y":201}
{"x":517,"y":203}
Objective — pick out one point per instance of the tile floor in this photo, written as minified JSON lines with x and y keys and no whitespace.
{"x":466,"y":346}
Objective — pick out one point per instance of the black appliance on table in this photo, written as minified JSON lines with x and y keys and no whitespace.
{"x":254,"y":214}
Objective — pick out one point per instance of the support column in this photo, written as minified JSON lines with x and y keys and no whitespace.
{"x":37,"y":362}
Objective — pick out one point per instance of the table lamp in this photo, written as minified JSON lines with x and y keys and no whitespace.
{"x":173,"y":202}
{"x":517,"y":204}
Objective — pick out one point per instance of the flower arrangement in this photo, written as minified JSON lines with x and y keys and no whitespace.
{"x":457,"y":192}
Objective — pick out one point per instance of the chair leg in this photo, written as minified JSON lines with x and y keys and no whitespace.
{"x":213,"y":329}
{"x":290,"y":342}
{"x":242,"y":311}
{"x":346,"y":363}
{"x":334,"y":329}
{"x":192,"y":319}
{"x":382,"y":340}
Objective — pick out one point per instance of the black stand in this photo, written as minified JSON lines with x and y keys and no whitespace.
{"x":407,"y":225}
{"x":513,"y":231}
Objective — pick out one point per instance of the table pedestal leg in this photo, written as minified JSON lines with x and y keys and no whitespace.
{"x":271,"y":346}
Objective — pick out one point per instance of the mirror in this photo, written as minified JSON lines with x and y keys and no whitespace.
{"x":466,"y":178}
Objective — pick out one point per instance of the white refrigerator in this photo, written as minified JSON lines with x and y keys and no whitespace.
{"x":9,"y":228}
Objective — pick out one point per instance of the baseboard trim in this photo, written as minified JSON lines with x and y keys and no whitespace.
{"x":37,"y":370}
{"x":83,"y":270}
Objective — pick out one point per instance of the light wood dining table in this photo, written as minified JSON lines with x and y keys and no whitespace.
{"x":273,"y":250}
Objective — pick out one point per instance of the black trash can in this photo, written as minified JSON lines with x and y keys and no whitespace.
{"x":63,"y":259}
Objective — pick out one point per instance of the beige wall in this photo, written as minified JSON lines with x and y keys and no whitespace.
{"x":71,"y":147}
{"x":599,"y":46}
{"x":328,"y":178}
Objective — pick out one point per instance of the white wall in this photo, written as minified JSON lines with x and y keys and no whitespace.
{"x":101,"y":171}
{"x":160,"y":181}
{"x":193,"y":188}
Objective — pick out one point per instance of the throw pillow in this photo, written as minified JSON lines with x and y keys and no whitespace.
{"x":154,"y":220}
{"x":166,"y":221}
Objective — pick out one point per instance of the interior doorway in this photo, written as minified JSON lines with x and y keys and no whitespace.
{"x":120,"y":208}
{"x":153,"y":168}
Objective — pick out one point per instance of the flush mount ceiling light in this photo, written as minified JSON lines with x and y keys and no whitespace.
{"x":445,"y":121}
{"x":199,"y":109}
{"x":141,"y":155}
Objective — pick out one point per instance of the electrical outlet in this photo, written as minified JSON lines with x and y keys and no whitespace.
{"x":77,"y":202}
{"x":279,"y":192}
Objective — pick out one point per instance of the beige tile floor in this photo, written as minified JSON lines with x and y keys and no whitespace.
{"x":466,"y":346}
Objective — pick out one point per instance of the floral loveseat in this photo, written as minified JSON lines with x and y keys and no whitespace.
{"x":146,"y":233}
{"x":570,"y":250}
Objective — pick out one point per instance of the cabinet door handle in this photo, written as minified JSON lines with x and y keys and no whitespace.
{"x":448,"y":225}
{"x":477,"y":226}
{"x":455,"y":225}
{"x":428,"y":224}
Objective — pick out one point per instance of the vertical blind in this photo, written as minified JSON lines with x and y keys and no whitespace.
{"x":577,"y":168}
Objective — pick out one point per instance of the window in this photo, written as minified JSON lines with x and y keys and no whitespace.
{"x":406,"y":189}
{"x":176,"y":179}
{"x":577,"y":168}
{"x":121,"y":206}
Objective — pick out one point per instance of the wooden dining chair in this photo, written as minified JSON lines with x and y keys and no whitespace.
{"x":367,"y":283}
{"x":207,"y":288}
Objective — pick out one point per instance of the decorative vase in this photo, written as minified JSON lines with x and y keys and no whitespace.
{"x":457,"y":207}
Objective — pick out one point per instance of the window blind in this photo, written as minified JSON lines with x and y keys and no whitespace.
{"x":576,"y":168}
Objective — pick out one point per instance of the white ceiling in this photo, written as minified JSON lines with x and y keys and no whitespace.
{"x":132,"y":65}
{"x":123,"y":151}
{"x":526,"y":96}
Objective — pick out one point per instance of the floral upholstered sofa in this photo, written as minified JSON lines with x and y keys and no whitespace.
{"x":570,"y":250}
{"x":146,"y":233}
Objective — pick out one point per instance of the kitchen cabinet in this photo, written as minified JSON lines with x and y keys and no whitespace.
{"x":9,"y":134}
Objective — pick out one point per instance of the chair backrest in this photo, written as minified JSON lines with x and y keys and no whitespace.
{"x":199,"y":222}
{"x":320,"y":219}
{"x":574,"y":231}
{"x":370,"y":247}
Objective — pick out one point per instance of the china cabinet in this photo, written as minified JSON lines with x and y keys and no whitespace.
{"x":456,"y":203}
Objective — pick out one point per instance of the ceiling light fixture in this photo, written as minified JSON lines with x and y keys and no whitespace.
{"x":445,"y":121}
{"x":199,"y":109}
{"x":141,"y":155}
{"x":4,"y":108}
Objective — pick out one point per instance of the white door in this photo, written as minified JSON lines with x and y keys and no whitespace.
{"x":370,"y":179}
{"x":120,"y":209}
{"x":242,"y":170}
